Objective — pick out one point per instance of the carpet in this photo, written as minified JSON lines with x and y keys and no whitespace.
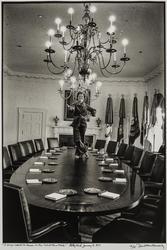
{"x":89,"y":225}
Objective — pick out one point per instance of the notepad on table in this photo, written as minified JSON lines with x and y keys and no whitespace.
{"x":114,"y":164}
{"x":109,"y":159}
{"x":57,"y":149}
{"x":120,"y":180}
{"x":52,"y":150}
{"x":119,"y":171}
{"x":43,"y":157}
{"x":33,"y":181}
{"x":34,"y":170}
{"x":47,"y":153}
{"x":55,"y":196}
{"x":110,"y":195}
{"x":38,"y":163}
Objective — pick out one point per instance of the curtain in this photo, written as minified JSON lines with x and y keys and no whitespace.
{"x":156,"y":131}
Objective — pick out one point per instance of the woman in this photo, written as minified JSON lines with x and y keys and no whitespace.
{"x":79,"y":124}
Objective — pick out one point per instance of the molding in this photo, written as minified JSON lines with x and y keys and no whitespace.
{"x":156,"y":72}
{"x":11,"y":73}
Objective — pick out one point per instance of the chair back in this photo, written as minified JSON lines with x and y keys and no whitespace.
{"x":158,"y":170}
{"x":6,"y":158}
{"x":52,"y":143}
{"x":31,"y":147}
{"x":129,"y":153}
{"x":137,"y":153}
{"x":39,"y":145}
{"x":16,"y":217}
{"x":162,"y":150}
{"x":122,"y":148}
{"x":100,"y":144}
{"x":160,"y":218}
{"x":15,"y":152}
{"x":147,"y":163}
{"x":23,"y":148}
{"x":111,"y":147}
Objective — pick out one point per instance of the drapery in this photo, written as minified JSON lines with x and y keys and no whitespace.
{"x":145,"y":120}
{"x":156,"y":131}
{"x":120,"y":134}
{"x":109,"y":112}
{"x":134,"y":128}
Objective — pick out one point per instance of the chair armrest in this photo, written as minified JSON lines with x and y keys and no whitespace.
{"x":153,"y":184}
{"x":152,"y":196}
{"x":46,"y":229}
{"x":142,"y":224}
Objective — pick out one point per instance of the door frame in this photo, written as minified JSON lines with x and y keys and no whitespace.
{"x":22,"y":110}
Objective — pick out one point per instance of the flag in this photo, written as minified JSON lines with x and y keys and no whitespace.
{"x":145,"y":120}
{"x":153,"y":110}
{"x":120,"y":134}
{"x":109,"y":111}
{"x":156,"y":131}
{"x":134,"y":128}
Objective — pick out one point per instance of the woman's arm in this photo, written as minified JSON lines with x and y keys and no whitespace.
{"x":91,"y":110}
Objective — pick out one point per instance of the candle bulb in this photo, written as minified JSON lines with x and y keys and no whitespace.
{"x":93,"y":10}
{"x":51,"y":33}
{"x":61,"y":83}
{"x":63,"y":30}
{"x":48,"y":44}
{"x":71,"y":12}
{"x":58,"y":22}
{"x":115,"y":57}
{"x":125,"y":43}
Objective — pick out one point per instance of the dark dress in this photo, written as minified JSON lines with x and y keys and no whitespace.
{"x":79,"y":126}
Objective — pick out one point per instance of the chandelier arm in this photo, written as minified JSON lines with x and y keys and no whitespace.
{"x":74,"y":66}
{"x":53,"y":62}
{"x":101,"y":67}
{"x":115,"y":73}
{"x":105,"y":66}
{"x":105,"y":41}
{"x":67,"y":43}
{"x":71,"y":35}
{"x":63,"y":96}
{"x":55,"y":73}
{"x":67,"y":49}
{"x":119,"y":70}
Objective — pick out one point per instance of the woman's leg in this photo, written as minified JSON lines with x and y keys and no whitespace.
{"x":82,"y":130}
{"x":79,"y":134}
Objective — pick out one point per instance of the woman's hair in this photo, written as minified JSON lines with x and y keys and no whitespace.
{"x":80,"y":93}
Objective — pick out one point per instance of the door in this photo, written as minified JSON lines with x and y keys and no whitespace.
{"x":31,"y":124}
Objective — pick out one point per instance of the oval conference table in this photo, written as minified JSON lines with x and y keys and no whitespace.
{"x":78,"y":174}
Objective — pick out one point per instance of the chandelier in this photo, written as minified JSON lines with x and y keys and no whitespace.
{"x":84,"y":45}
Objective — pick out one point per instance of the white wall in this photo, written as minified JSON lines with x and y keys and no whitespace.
{"x":20,"y":91}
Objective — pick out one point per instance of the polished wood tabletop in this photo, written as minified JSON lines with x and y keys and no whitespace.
{"x":79,"y":174}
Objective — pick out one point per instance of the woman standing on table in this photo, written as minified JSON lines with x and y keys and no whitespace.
{"x":79,"y":124}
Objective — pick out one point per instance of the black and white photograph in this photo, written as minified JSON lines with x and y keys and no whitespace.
{"x":83,"y":124}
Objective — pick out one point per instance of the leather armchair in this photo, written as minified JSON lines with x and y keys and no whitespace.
{"x":123,"y":230}
{"x":17,"y":224}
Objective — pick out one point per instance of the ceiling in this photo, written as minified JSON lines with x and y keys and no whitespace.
{"x":25,"y":27}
